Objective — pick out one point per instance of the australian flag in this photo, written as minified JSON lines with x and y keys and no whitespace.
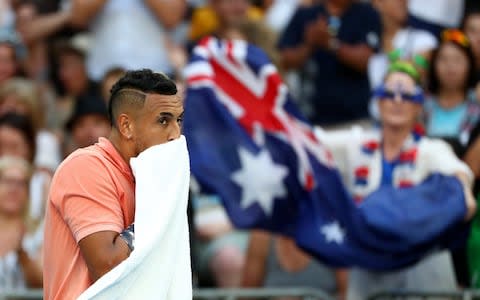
{"x":249,"y":144}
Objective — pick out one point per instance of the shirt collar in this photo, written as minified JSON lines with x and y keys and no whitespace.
{"x":114,"y":156}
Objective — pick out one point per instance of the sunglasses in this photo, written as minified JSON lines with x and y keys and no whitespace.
{"x":455,"y":36}
{"x":383,"y":93}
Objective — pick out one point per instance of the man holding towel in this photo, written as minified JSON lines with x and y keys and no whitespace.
{"x":91,"y":206}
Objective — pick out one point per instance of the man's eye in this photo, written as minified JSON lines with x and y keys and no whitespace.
{"x":163,"y":121}
{"x":180,"y":120}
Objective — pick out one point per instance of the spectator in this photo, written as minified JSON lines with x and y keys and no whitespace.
{"x":472,"y":158}
{"x":471,"y":27}
{"x":275,"y":261}
{"x":88,"y":122}
{"x":396,"y":156}
{"x":36,"y":62}
{"x":279,"y":13}
{"x":219,"y":16}
{"x":435,"y":15}
{"x":220,"y":248}
{"x":7,"y":16}
{"x":12,"y":52}
{"x":131,"y":34}
{"x":17,"y":136}
{"x":20,"y":96}
{"x":332,"y":43}
{"x":408,"y":43}
{"x":450,"y":112}
{"x":34,"y":25}
{"x":108,"y":80}
{"x":19,"y":254}
{"x":258,"y":34}
{"x":36,"y":30}
{"x":72,"y":73}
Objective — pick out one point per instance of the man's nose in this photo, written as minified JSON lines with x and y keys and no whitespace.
{"x":175,"y":132}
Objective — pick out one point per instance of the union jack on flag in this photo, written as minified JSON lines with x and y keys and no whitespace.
{"x":254,"y":93}
{"x":249,"y":144}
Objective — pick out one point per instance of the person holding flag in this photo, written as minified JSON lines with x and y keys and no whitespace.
{"x":396,"y":154}
{"x":249,"y":144}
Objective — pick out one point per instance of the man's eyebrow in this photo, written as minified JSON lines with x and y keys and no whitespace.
{"x":168,"y":114}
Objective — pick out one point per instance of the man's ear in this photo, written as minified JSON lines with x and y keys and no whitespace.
{"x":125,"y":126}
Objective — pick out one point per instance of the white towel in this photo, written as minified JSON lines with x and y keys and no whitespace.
{"x":159,"y":267}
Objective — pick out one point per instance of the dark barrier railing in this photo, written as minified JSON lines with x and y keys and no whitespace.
{"x":210,"y":294}
{"x":262,"y":293}
{"x":21,"y":295}
{"x":427,"y":295}
{"x":267,"y":293}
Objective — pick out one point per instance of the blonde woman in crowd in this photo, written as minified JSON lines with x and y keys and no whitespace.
{"x":20,"y":96}
{"x":20,"y":252}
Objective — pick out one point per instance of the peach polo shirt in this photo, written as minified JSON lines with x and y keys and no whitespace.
{"x":92,"y":190}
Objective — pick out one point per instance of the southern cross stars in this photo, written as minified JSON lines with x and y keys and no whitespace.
{"x":333,"y":232}
{"x":260,"y":178}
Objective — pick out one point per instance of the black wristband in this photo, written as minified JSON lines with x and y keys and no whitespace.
{"x":128,"y":235}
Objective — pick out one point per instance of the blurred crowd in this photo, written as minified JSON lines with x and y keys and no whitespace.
{"x":59,"y":59}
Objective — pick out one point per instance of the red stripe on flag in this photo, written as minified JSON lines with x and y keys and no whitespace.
{"x":257,"y":109}
{"x":196,"y":78}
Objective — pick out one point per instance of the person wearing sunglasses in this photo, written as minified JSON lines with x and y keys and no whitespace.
{"x":396,"y":154}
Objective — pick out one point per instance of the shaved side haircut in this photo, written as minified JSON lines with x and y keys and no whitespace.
{"x":130,"y":91}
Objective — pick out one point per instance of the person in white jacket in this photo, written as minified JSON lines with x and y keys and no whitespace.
{"x":396,"y":154}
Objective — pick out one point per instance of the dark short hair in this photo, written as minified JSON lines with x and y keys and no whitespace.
{"x":433,"y":82}
{"x":24,"y":125}
{"x":86,"y":104}
{"x":132,"y":87}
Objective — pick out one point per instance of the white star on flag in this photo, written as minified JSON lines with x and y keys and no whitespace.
{"x":260,"y":178}
{"x":333,"y":232}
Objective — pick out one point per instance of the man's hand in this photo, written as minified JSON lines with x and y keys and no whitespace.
{"x":83,"y":11}
{"x":470,"y":202}
{"x":169,"y":13}
{"x":31,"y":267}
{"x":316,"y":33}
{"x":471,"y":205}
